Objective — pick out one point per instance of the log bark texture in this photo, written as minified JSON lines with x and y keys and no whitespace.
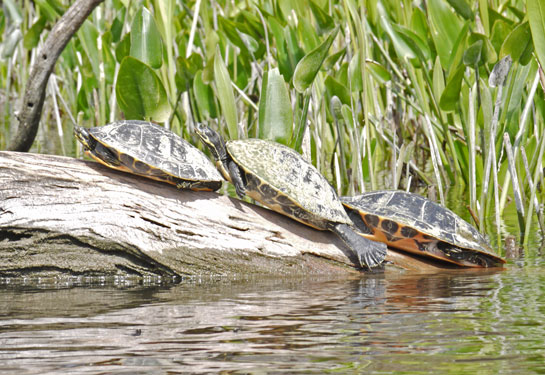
{"x":64,"y":216}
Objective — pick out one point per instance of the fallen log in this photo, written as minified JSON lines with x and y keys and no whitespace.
{"x":64,"y":216}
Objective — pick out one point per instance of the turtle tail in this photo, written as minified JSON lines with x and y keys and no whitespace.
{"x":369,"y":253}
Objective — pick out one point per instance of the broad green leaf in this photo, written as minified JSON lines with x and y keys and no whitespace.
{"x":445,"y":29}
{"x":140,"y":93}
{"x":308,"y":67}
{"x":331,"y":60}
{"x":204,"y":95}
{"x":324,"y":20}
{"x":51,"y":9}
{"x":354,"y":73}
{"x":307,"y":35}
{"x":88,"y":36}
{"x":486,"y":105}
{"x":536,"y":17}
{"x":146,"y":42}
{"x":462,"y":8}
{"x":472,"y":55}
{"x":282,"y":55}
{"x":380,"y":73}
{"x":458,"y":49}
{"x":451,"y":93}
{"x":438,"y":80}
{"x":500,"y":31}
{"x":225,"y":95}
{"x":413,"y":40}
{"x":488,"y":54}
{"x":108,"y":59}
{"x":419,"y":24}
{"x":517,"y":42}
{"x":230,"y":29}
{"x":485,"y":19}
{"x":401,"y":47}
{"x":275,"y":113}
{"x":32,"y":36}
{"x":123,"y":48}
{"x":335,"y":88}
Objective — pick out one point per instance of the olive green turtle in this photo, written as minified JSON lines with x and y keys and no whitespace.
{"x":279,"y":178}
{"x":149,"y":150}
{"x":409,"y":222}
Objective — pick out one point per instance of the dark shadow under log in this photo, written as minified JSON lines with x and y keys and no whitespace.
{"x":64,"y":216}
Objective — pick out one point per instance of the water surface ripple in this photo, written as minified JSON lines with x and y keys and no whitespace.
{"x":459,"y":322}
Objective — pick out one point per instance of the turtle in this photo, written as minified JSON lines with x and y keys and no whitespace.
{"x":410,"y":222}
{"x":279,"y":178}
{"x":146,"y":149}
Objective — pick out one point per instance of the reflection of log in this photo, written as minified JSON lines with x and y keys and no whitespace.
{"x":65,"y":216}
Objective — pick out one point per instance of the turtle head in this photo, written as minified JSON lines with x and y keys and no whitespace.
{"x":212,"y":140}
{"x":83,"y":136}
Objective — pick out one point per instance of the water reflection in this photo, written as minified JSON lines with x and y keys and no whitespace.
{"x":460,"y":322}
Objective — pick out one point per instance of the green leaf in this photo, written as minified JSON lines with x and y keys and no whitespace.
{"x":204,"y":95}
{"x":380,"y":73}
{"x":51,"y":9}
{"x":517,"y":42}
{"x":324,"y":20}
{"x":146,"y":42}
{"x":445,"y":28}
{"x":140,"y":93}
{"x":472,"y":55}
{"x":401,"y":47}
{"x":438,"y":80}
{"x":451,"y":93}
{"x":32,"y":36}
{"x":336,"y":88}
{"x":536,"y":16}
{"x":275,"y":113}
{"x":462,"y":8}
{"x":123,"y":48}
{"x":88,"y":36}
{"x":488,"y":53}
{"x":225,"y":95}
{"x":308,"y":67}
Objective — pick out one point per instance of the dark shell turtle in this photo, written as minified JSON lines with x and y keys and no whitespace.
{"x":279,"y":178}
{"x":149,"y":150}
{"x":412,"y":223}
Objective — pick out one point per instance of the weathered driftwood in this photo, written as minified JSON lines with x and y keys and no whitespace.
{"x":64,"y":216}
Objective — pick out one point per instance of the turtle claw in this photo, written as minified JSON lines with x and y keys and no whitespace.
{"x":241,"y":191}
{"x":369,"y":253}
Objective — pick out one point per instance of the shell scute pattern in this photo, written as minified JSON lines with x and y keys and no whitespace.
{"x":284,"y":181}
{"x":150,"y":149}
{"x":418,"y":215}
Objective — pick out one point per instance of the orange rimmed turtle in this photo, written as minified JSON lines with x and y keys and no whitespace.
{"x":409,"y":222}
{"x":149,"y":150}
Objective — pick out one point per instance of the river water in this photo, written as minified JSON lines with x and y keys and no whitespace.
{"x":459,"y":322}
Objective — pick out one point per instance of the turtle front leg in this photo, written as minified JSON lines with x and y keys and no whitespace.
{"x":368,"y":253}
{"x":236,"y":179}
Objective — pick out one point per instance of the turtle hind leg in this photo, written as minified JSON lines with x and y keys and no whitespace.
{"x":369,"y":253}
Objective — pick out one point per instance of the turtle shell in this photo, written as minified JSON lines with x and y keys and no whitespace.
{"x":412,"y":223}
{"x":149,"y":150}
{"x":281,"y":179}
